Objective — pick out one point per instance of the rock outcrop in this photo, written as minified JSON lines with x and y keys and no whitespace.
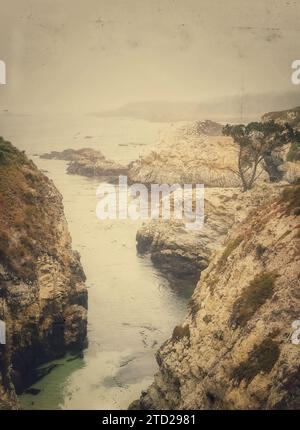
{"x":106,"y":169}
{"x":234,"y":349}
{"x":190,"y":153}
{"x":185,"y":253}
{"x":290,"y":116}
{"x":43,"y":299}
{"x":88,"y":162}
{"x":73,"y":154}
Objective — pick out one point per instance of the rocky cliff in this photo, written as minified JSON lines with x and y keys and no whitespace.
{"x":234,"y":349}
{"x":185,"y":253}
{"x":188,"y":153}
{"x":43,"y":299}
{"x":196,"y":152}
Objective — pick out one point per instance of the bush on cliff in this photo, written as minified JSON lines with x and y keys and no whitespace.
{"x":261,"y":359}
{"x":26,"y":207}
{"x":294,"y":152}
{"x":254,"y":296}
{"x":257,"y":141}
{"x":9,"y":153}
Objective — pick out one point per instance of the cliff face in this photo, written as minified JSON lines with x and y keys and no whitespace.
{"x":190,"y":153}
{"x":196,"y":152}
{"x":234,"y":349}
{"x":185,"y":253}
{"x":43,"y":299}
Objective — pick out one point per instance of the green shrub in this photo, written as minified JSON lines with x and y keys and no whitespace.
{"x":180,"y":332}
{"x":261,"y":359}
{"x":26,"y":214}
{"x":252,"y":298}
{"x":232,"y":245}
{"x":294,"y":152}
{"x":9,"y":153}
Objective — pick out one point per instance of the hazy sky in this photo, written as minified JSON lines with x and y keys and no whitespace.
{"x":88,"y":55}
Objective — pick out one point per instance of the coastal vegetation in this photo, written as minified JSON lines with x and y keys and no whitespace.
{"x":257,"y":141}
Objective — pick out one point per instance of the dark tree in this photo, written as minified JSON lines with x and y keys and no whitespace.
{"x":257,"y":141}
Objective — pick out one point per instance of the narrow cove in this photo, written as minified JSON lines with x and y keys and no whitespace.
{"x":133,"y":309}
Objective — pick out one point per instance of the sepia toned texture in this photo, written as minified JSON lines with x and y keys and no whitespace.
{"x":43,"y":299}
{"x":233,"y":351}
{"x":190,"y":59}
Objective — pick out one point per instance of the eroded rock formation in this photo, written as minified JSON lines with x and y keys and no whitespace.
{"x":88,"y":162}
{"x":185,"y":253}
{"x":190,"y":153}
{"x":234,"y":349}
{"x":43,"y":299}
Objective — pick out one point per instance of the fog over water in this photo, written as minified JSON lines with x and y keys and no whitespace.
{"x":90,"y":55}
{"x":111,"y":75}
